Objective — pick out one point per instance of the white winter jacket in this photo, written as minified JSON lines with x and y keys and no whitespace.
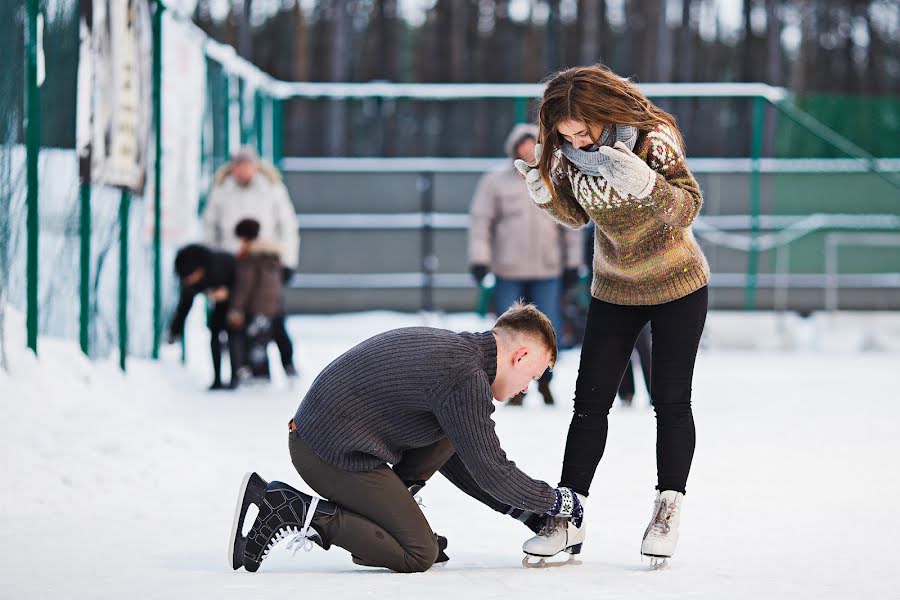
{"x":265,"y":199}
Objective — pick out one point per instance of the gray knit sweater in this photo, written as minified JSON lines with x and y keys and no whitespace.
{"x":408,"y":388}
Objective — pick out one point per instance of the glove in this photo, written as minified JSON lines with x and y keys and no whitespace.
{"x":570,"y":278}
{"x":537,"y":189}
{"x":479,"y":272}
{"x":626,"y":171}
{"x":568,"y":505}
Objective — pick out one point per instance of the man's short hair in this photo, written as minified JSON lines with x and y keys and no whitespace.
{"x":526,"y":319}
{"x":190,"y":258}
{"x":247,"y":229}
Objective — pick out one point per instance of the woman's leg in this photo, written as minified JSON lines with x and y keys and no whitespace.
{"x":676,"y":328}
{"x":609,"y":337}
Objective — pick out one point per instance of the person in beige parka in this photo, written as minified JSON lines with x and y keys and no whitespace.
{"x":531,"y":256}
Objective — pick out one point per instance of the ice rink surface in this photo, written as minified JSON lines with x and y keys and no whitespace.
{"x":124,"y":486}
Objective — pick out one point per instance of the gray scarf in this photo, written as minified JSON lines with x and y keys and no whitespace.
{"x":589,"y":161}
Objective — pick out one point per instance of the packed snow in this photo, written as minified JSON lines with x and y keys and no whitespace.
{"x":123,"y":486}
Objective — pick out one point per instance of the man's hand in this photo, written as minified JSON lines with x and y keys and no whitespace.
{"x":219,"y":294}
{"x":568,"y":505}
{"x":479,"y":272}
{"x":537,"y":189}
{"x":235,"y":319}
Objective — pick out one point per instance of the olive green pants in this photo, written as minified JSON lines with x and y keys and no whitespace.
{"x":378,"y":521}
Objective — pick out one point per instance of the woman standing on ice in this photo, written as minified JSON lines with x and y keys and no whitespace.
{"x":611,"y":156}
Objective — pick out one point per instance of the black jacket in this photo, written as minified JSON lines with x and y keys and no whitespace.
{"x":219,"y":272}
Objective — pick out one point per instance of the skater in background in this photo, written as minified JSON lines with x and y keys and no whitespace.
{"x":531,"y":256}
{"x":610,"y":156}
{"x":419,"y":399}
{"x":250,"y":188}
{"x":211,"y":272}
{"x":256,"y":299}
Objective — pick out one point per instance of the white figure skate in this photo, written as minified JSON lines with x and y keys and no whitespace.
{"x":661,"y":535}
{"x":556,"y":536}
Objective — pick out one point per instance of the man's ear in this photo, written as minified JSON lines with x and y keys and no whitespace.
{"x":520,"y":353}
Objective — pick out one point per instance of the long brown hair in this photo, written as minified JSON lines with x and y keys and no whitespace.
{"x":595,"y":96}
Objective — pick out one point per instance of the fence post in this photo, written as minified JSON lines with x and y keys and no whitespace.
{"x":32,"y":149}
{"x":278,"y":133}
{"x":759,"y":106}
{"x":124,"y":212}
{"x":157,"y":178}
{"x":84,"y":231}
{"x":425,"y":183}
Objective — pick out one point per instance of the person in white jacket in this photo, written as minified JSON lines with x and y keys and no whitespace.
{"x":250,"y":188}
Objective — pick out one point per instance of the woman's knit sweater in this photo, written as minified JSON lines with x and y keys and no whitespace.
{"x":644,"y":249}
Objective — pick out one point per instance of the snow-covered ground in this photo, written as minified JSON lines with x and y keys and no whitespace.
{"x":123,"y":486}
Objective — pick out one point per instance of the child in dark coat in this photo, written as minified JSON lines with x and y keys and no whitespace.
{"x":256,"y":298}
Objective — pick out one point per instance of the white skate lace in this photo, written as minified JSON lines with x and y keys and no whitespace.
{"x":659,"y":526}
{"x":301,"y":537}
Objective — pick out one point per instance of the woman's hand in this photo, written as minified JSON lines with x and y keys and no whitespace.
{"x":537,"y":189}
{"x":626,"y":171}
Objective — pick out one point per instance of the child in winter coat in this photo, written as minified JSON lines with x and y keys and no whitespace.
{"x":256,"y":297}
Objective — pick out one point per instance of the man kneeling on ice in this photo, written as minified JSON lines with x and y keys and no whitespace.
{"x":419,"y":399}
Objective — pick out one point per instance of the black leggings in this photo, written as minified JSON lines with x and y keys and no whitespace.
{"x":610,"y":334}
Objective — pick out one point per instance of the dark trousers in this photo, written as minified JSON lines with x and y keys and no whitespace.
{"x":221,"y":336}
{"x":378,"y":521}
{"x":281,"y":339}
{"x":610,"y":335}
{"x":628,"y":385}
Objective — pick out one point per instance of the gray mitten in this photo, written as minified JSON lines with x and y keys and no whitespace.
{"x":626,"y":171}
{"x":537,"y":189}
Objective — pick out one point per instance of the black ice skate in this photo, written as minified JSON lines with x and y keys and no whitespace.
{"x":283,"y":511}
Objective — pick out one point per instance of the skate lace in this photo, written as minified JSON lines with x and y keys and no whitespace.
{"x":660,"y":524}
{"x":551,"y":526}
{"x":301,"y":539}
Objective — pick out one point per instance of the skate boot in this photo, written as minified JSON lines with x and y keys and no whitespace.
{"x":557,"y":535}
{"x":516,"y":400}
{"x":283,"y":511}
{"x":661,"y":535}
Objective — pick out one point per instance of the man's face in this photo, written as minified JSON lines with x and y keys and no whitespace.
{"x":525,"y":150}
{"x":526,"y":363}
{"x":244,"y":171}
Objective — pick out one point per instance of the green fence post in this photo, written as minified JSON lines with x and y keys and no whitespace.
{"x":521,"y":110}
{"x":258,"y":121}
{"x":32,"y":148}
{"x":759,"y":107}
{"x":124,"y":211}
{"x":157,"y":178}
{"x":84,"y":231}
{"x":278,"y":131}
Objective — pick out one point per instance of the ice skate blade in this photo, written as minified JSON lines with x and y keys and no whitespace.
{"x":534,"y":561}
{"x":540,"y":562}
{"x":253,"y":488}
{"x":658,"y":563}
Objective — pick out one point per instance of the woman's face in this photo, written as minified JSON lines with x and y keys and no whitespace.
{"x":578,"y":133}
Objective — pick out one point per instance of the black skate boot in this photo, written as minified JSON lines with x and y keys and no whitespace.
{"x":282,"y":511}
{"x":544,"y":388}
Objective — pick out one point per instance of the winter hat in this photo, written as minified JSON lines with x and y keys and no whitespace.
{"x":247,"y":229}
{"x":519,"y":133}
{"x":190,"y":258}
{"x":245,"y":154}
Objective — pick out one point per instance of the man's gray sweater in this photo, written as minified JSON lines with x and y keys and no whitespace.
{"x":408,"y":388}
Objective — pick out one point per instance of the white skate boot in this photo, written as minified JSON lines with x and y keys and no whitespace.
{"x":557,"y":535}
{"x":661,"y":535}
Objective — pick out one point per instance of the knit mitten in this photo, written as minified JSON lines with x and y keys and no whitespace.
{"x":626,"y":171}
{"x":537,"y":189}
